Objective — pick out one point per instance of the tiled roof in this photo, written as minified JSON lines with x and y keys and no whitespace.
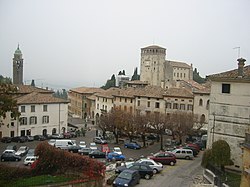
{"x":25,"y":89}
{"x":231,"y":75}
{"x":199,"y":88}
{"x":108,"y":93}
{"x":150,"y":91}
{"x":178,"y":92}
{"x":126,"y":92}
{"x":178,"y":64}
{"x":39,"y":98}
{"x":87,"y":90}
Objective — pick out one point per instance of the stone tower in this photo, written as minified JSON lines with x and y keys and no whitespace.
{"x":18,"y":67}
{"x":153,"y":65}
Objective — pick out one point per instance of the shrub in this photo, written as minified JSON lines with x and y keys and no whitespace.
{"x":9,"y":173}
{"x":56,"y":161}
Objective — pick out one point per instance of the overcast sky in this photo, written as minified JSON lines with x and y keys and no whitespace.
{"x":73,"y":43}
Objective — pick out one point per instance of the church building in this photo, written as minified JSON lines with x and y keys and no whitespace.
{"x":18,"y":67}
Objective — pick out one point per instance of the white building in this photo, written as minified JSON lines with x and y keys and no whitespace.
{"x":229,"y":114}
{"x":41,"y":113}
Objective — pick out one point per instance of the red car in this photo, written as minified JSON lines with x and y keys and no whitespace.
{"x":164,"y":158}
{"x":105,"y":148}
{"x":194,"y":146}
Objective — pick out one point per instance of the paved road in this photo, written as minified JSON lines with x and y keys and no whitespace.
{"x":181,"y":175}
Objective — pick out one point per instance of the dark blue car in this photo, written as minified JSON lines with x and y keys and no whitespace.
{"x":132,"y":145}
{"x":115,"y":156}
{"x":127,"y":178}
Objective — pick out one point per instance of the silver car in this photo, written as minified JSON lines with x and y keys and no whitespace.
{"x":156,"y":166}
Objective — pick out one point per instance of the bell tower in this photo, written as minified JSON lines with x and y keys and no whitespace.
{"x":18,"y":67}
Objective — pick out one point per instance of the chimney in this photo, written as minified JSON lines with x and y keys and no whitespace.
{"x":240,"y":66}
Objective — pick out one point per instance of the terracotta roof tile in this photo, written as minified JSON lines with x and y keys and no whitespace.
{"x":39,"y":98}
{"x":178,"y":92}
{"x":24,"y":89}
{"x":108,"y":93}
{"x":87,"y":90}
{"x":178,"y":64}
{"x":232,"y":75}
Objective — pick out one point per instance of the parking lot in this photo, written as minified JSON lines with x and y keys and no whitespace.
{"x":179,"y":175}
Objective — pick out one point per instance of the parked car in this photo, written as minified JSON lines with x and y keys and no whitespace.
{"x":105,"y":148}
{"x":57,"y":136}
{"x":115,"y":156}
{"x":117,"y":150}
{"x":29,"y":138}
{"x":84,"y":151}
{"x":52,"y":142}
{"x":132,"y":145}
{"x":97,"y":154}
{"x":152,"y":137}
{"x":183,"y":153}
{"x":39,"y":137}
{"x":74,"y":148}
{"x":6,"y":139}
{"x":82,"y":144}
{"x":18,"y":139}
{"x":164,"y":158}
{"x":11,"y":147}
{"x":99,"y":140}
{"x":10,"y":157}
{"x":31,"y":152}
{"x":67,"y":135}
{"x":127,"y":178}
{"x":93,"y":146}
{"x":9,"y":151}
{"x":23,"y":150}
{"x":156,"y":166}
{"x":144,"y":170}
{"x":29,"y":160}
{"x":195,"y":146}
{"x":195,"y":152}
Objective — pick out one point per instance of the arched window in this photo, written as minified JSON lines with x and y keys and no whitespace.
{"x":200,"y":102}
{"x":207,"y":106}
{"x":202,"y":119}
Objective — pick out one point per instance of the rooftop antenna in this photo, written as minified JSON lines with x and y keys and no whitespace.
{"x":238,"y":51}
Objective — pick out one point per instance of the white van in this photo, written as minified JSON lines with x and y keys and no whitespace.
{"x":64,"y":143}
{"x":183,"y":153}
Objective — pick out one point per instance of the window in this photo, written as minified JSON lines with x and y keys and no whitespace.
{"x":190,"y":107}
{"x":45,"y":119}
{"x":23,"y":121}
{"x":33,"y":120}
{"x":157,"y":105}
{"x":138,"y":103}
{"x":45,"y":108}
{"x":182,"y":106}
{"x":207,"y":106}
{"x":168,"y":105}
{"x":148,"y":103}
{"x":125,"y":100}
{"x":12,"y":124}
{"x":131,"y":109}
{"x":125,"y":108}
{"x":131,"y":101}
{"x":97,"y":106}
{"x":175,"y":106}
{"x":33,"y":108}
{"x":22,"y":108}
{"x":225,"y":88}
{"x":120,"y":99}
{"x":200,"y":102}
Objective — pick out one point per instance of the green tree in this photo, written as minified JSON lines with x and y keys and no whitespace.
{"x":197,"y":77}
{"x":110,"y":83}
{"x":206,"y":158}
{"x":221,"y":154}
{"x":7,"y":102}
{"x":5,"y":80}
{"x":135,"y":75}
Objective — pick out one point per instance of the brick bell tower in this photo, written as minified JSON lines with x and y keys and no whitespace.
{"x":18,"y":67}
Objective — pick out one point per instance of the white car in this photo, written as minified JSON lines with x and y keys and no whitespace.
{"x":9,"y":151}
{"x":117,"y":150}
{"x":156,"y":166}
{"x":29,"y":160}
{"x":93,"y":146}
{"x":82,"y":144}
{"x":23,"y":150}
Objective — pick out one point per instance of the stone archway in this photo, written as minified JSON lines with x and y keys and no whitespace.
{"x":54,"y":131}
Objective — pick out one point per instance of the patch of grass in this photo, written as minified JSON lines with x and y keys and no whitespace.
{"x":36,"y":181}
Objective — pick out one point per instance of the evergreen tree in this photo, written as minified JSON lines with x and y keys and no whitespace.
{"x":110,"y":83}
{"x":135,"y":75}
{"x":33,"y":83}
{"x":197,"y":77}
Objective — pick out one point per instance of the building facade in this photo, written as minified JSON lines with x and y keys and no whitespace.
{"x":229,"y":109}
{"x":157,"y":71}
{"x":41,"y":114}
